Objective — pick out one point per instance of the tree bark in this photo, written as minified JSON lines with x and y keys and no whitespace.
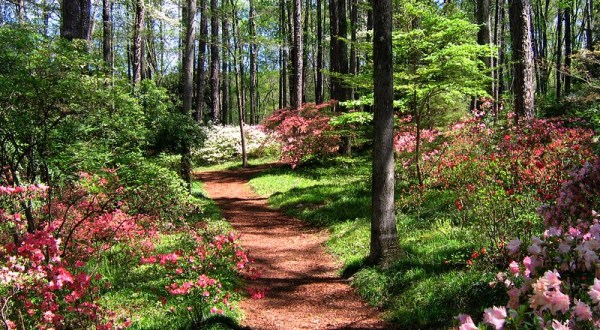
{"x":137,"y":41}
{"x":338,"y":49}
{"x":559,"y":29}
{"x":214,"y":61}
{"x":384,"y":236}
{"x":589,"y":18}
{"x":188,"y":57}
{"x":253,"y":55}
{"x":353,"y":31}
{"x":200,"y":83}
{"x":568,"y":51}
{"x":319,"y":71}
{"x":283,"y":77}
{"x":75,"y":19}
{"x":483,"y":35}
{"x":297,"y":91}
{"x":107,"y":53}
{"x":524,"y":85}
{"x":239,"y":82}
{"x":225,"y":106}
{"x":305,"y":49}
{"x":188,"y":83}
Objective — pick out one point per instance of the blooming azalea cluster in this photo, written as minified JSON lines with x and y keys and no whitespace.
{"x":405,"y":142}
{"x":45,"y":244}
{"x":553,"y":281}
{"x":224,"y":143}
{"x":194,"y":276}
{"x":497,"y":172}
{"x":37,"y":280}
{"x":304,"y":132}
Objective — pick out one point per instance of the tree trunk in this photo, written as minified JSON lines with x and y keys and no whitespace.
{"x":384,"y":236}
{"x":107,"y":53}
{"x":501,"y":54}
{"x":297,"y":91}
{"x":239,"y":82}
{"x":483,"y":35}
{"x":524,"y":86}
{"x":225,"y":106}
{"x":137,"y":41}
{"x":75,"y":19}
{"x":214,"y":61}
{"x":568,"y":43}
{"x":559,"y":22}
{"x":252,"y":46}
{"x":319,"y":71}
{"x":589,"y":18}
{"x":339,"y":49}
{"x":283,"y":78}
{"x":353,"y":30}
{"x":305,"y":50}
{"x":188,"y":83}
{"x":201,"y":60}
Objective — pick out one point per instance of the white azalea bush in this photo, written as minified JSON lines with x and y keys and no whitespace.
{"x":223,"y":143}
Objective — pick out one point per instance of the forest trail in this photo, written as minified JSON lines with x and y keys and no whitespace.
{"x":303,"y":290}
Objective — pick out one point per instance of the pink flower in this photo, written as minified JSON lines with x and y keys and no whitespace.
{"x":513,"y":246}
{"x":149,"y":260}
{"x":48,"y":316}
{"x":466,"y":323}
{"x":594,"y":291}
{"x":528,"y":266}
{"x":552,"y":231}
{"x":582,"y":311}
{"x":535,"y":248}
{"x":551,"y":279}
{"x":556,"y":325}
{"x":11,"y":325}
{"x":514,"y":268}
{"x":495,"y":316}
{"x":547,"y":295}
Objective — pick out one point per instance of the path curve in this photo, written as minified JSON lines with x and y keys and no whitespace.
{"x":304,"y":290}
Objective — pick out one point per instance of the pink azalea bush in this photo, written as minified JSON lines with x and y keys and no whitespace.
{"x":552,"y":282}
{"x":194,"y":274}
{"x":39,"y":286}
{"x":304,"y":132}
{"x":500,"y":175}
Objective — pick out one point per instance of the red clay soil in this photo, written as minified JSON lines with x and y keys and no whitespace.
{"x":303,"y":289}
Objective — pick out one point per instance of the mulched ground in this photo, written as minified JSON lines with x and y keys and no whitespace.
{"x":302,"y":288}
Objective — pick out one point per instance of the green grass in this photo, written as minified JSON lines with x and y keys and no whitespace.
{"x":425,"y":288}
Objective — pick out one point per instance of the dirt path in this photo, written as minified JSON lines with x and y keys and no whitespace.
{"x":304,"y":291}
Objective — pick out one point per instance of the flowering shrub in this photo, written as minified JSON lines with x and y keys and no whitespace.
{"x":45,"y":244}
{"x":552,"y":283}
{"x":303,"y":132}
{"x":407,"y":148}
{"x":223,"y":143}
{"x":500,"y":175}
{"x":194,"y":273}
{"x":35,"y":279}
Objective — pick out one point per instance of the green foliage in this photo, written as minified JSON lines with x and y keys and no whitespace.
{"x":436,"y":55}
{"x":58,"y":115}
